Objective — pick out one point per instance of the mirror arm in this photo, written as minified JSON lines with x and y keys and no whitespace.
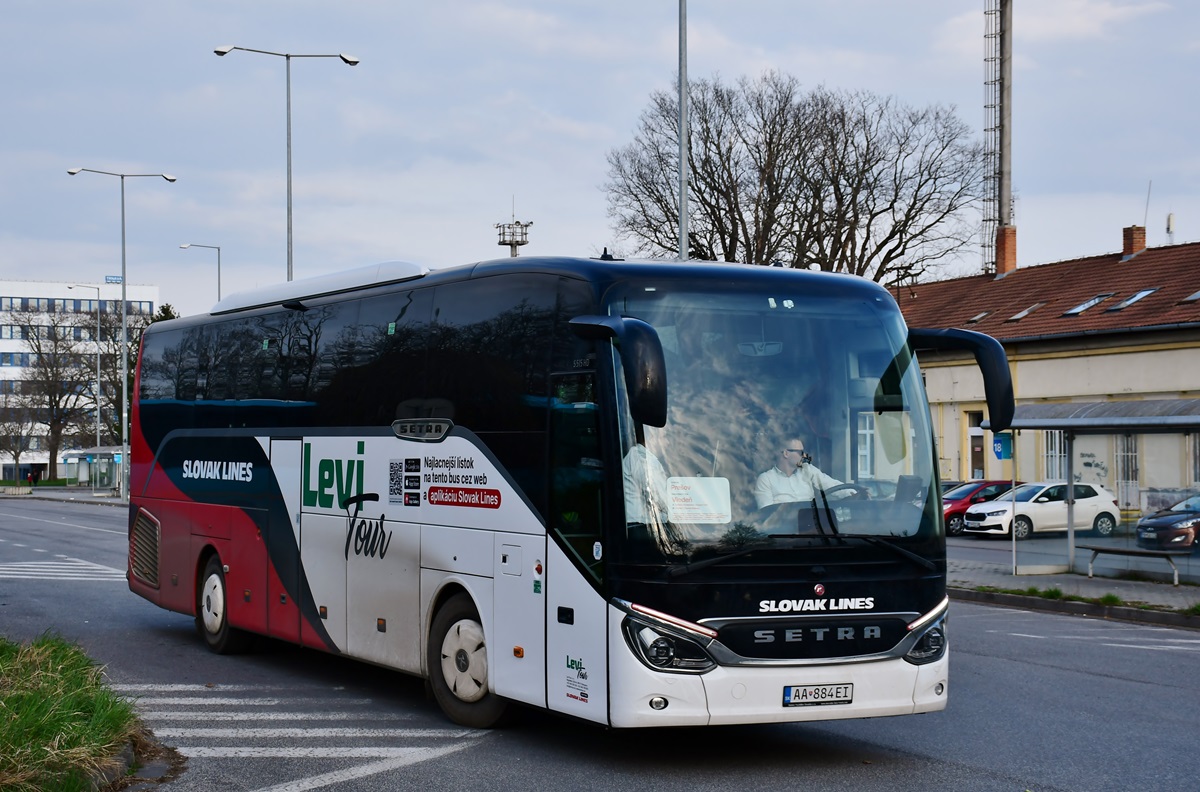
{"x":992,"y":360}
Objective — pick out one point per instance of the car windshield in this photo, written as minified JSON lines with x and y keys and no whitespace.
{"x":1023,"y":493}
{"x":1189,"y":505}
{"x":960,"y":492}
{"x":777,"y":403}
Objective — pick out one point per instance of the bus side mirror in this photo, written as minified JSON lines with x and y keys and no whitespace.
{"x":642,"y":362}
{"x":993,"y":362}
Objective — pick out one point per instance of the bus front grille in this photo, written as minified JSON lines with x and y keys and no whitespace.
{"x":143,"y":548}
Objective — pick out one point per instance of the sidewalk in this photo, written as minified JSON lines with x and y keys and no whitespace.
{"x":1144,"y":601}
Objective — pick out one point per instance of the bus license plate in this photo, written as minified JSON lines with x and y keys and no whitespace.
{"x":816,"y":695}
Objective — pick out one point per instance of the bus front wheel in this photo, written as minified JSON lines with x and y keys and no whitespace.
{"x":458,"y":666}
{"x":212,"y":612}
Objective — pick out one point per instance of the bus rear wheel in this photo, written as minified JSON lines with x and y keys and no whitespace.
{"x":458,"y":667}
{"x":212,"y":612}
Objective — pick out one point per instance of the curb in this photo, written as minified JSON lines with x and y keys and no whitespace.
{"x":1072,"y":608}
{"x":99,"y":500}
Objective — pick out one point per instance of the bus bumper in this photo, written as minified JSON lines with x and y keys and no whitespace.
{"x":755,"y":694}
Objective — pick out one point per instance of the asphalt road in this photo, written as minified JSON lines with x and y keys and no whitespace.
{"x":1037,"y":702}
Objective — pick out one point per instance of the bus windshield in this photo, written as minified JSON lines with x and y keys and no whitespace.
{"x":792,"y":421}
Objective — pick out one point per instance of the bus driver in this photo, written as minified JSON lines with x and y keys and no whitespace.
{"x":792,"y":478}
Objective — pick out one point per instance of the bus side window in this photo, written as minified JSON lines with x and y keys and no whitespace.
{"x":576,"y":469}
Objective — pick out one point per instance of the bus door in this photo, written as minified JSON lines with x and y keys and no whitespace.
{"x":576,"y":613}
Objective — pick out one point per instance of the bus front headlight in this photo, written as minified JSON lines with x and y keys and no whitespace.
{"x":666,"y":650}
{"x":931,"y":646}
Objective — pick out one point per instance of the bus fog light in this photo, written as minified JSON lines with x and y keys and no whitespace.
{"x":939,"y":689}
{"x":658,"y":703}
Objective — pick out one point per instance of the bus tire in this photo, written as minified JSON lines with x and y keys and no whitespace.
{"x":458,"y":667}
{"x":212,"y":612}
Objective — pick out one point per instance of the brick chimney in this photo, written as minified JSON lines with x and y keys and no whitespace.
{"x":1006,"y":250}
{"x":1134,"y":241}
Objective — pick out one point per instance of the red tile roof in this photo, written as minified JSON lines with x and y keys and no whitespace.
{"x":1173,"y":271}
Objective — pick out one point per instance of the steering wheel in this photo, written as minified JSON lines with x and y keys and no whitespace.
{"x":860,"y":492}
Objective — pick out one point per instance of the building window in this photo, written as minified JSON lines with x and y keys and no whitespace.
{"x":1194,"y":459}
{"x":1055,"y":455}
{"x":866,"y":445}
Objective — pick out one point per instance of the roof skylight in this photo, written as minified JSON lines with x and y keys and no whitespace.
{"x":1083,"y":306}
{"x":1019,"y":316}
{"x":1131,"y":299}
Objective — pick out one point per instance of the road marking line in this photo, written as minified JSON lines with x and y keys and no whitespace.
{"x":1154,"y":648}
{"x":165,"y":716}
{"x":245,"y":733}
{"x":266,"y":752}
{"x":203,"y":701}
{"x":70,"y":569}
{"x":1026,"y":635}
{"x":225,"y":701}
{"x":178,"y":688}
{"x":60,"y":522}
{"x":362,"y":771}
{"x":168,"y":717}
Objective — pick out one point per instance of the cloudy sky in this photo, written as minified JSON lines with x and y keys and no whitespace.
{"x":461,"y":108}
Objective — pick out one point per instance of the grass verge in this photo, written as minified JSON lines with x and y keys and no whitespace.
{"x":59,"y":723}
{"x":1108,"y":599}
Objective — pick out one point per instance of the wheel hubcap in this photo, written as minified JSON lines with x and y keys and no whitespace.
{"x":212,"y":609}
{"x":464,"y":661}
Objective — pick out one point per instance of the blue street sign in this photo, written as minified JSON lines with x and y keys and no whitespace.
{"x":1002,"y":445}
{"x":112,"y":278}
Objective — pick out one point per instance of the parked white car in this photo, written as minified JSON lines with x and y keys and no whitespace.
{"x":1042,"y":506}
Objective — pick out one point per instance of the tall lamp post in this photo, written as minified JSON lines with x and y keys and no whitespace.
{"x":349,"y":60}
{"x":95,"y":457}
{"x":217,"y":248}
{"x":124,"y":479}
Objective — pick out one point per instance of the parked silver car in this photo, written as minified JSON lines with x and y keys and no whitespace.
{"x":1042,"y":506}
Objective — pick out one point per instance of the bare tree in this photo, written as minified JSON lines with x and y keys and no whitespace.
{"x":16,"y":423}
{"x":56,"y":379}
{"x":110,"y":362}
{"x":887,"y":191}
{"x":843,"y":181}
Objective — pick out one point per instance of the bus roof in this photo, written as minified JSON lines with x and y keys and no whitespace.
{"x":290,"y":294}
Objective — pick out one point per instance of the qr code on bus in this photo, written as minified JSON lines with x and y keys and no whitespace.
{"x":396,"y":481}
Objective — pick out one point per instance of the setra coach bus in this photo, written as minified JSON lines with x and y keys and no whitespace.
{"x":539,"y":480}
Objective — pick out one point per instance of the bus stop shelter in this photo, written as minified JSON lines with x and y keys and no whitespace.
{"x":1148,"y":416}
{"x":95,"y":466}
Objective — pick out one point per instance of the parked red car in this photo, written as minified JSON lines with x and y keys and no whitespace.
{"x":956,"y":501}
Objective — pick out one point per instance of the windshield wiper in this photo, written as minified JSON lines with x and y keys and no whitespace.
{"x":687,"y":569}
{"x":895,"y":548}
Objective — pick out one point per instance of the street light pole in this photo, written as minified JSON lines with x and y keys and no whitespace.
{"x":683,"y":133}
{"x":124,"y":480}
{"x":349,"y":60}
{"x":95,"y":457}
{"x":217,"y":248}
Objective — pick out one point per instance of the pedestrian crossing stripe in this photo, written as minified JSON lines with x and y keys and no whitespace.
{"x":65,"y":569}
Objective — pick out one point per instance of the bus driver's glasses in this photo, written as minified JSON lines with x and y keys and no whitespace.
{"x":799,"y":452}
